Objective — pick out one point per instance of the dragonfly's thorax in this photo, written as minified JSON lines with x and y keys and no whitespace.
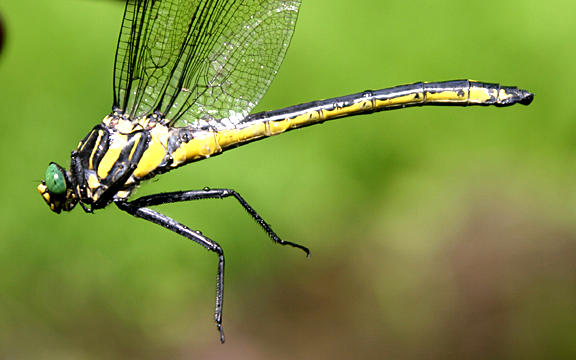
{"x":120,"y":152}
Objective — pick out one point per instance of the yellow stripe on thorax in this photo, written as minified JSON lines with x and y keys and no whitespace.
{"x":117,"y":142}
{"x":154,"y":153}
{"x":112,"y":155}
{"x":98,"y":140}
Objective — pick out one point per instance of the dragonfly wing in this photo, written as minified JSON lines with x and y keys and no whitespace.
{"x":203,"y":63}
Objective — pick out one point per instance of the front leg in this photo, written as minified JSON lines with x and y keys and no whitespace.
{"x":196,"y":236}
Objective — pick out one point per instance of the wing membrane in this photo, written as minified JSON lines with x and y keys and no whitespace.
{"x":200,"y":63}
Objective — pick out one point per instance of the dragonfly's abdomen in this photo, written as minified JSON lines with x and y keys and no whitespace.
{"x":193,"y":144}
{"x":453,"y":93}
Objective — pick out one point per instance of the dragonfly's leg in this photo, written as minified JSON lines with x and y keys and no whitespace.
{"x":171,"y":224}
{"x":163,"y":198}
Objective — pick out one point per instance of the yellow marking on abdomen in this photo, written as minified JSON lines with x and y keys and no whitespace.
{"x":448,"y":96}
{"x":229,"y":138}
{"x":502,"y":94}
{"x":360,"y":106}
{"x":297,"y":121}
{"x":208,"y":143}
{"x":479,"y":95}
{"x":414,"y":98}
{"x":202,"y":146}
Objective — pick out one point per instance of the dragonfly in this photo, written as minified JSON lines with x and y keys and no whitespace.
{"x":187,"y":74}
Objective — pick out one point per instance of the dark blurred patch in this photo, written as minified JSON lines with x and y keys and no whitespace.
{"x":1,"y":34}
{"x":508,"y":266}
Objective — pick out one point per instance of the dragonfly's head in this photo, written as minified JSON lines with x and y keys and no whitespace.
{"x":57,"y":190}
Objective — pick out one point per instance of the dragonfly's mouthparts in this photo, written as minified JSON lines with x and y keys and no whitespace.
{"x":58,"y":202}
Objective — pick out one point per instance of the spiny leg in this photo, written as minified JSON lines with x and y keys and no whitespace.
{"x":173,"y":225}
{"x":206,"y":193}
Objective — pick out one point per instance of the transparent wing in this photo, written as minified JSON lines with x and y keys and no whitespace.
{"x":201,"y":63}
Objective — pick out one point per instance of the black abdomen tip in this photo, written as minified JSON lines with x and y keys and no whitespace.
{"x":526,"y":97}
{"x":513,"y":95}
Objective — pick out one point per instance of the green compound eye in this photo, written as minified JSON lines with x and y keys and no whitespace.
{"x":55,"y":180}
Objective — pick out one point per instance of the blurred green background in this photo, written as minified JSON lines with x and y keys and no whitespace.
{"x":436,"y":233}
